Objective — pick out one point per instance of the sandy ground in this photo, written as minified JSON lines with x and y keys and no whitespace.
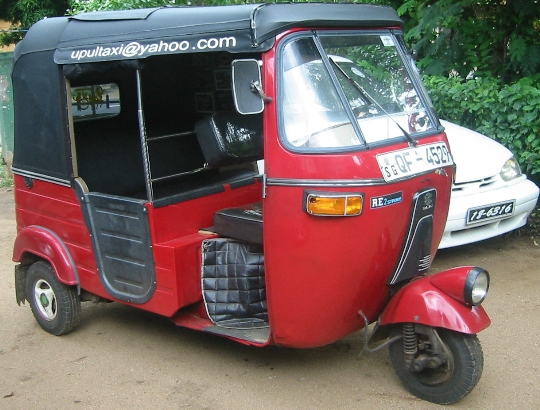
{"x":120,"y":357}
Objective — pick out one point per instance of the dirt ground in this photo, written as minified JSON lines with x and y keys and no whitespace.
{"x":120,"y":357}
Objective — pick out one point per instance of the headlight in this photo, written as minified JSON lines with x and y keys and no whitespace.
{"x":476,"y":286}
{"x":510,"y":170}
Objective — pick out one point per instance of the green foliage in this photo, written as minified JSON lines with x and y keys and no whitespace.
{"x":509,"y":113}
{"x":491,"y":38}
{"x":80,"y":6}
{"x":23,"y":13}
{"x":532,"y":228}
{"x":5,"y":181}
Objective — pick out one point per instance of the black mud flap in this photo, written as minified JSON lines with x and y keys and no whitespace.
{"x":20,"y":283}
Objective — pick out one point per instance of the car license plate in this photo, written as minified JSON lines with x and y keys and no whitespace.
{"x":415,"y":160}
{"x":488,"y":212}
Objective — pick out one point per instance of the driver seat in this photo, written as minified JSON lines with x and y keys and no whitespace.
{"x":228,"y":138}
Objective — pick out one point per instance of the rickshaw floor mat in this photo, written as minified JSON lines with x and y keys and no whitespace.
{"x":233,"y":283}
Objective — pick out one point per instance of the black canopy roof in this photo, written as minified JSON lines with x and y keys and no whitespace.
{"x":132,"y":34}
{"x":60,"y":47}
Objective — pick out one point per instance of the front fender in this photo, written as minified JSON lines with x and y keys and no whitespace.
{"x":42,"y":242}
{"x":422,"y":302}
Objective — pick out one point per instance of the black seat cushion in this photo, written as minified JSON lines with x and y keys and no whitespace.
{"x":228,"y":138}
{"x":244,"y":223}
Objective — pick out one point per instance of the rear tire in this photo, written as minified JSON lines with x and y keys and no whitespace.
{"x":56,"y":306}
{"x":449,"y":382}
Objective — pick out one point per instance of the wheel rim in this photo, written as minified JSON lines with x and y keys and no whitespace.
{"x":45,"y":299}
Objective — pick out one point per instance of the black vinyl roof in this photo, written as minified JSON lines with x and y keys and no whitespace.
{"x":133,"y":34}
{"x":60,"y":47}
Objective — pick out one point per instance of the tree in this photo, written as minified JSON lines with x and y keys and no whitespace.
{"x":79,"y":6}
{"x":23,"y":13}
{"x":499,"y":38}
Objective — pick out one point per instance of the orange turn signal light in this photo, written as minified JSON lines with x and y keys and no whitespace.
{"x":334,"y":204}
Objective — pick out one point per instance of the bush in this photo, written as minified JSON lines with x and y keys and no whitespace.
{"x":509,"y":114}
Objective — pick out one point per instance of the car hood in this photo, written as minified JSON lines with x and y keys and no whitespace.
{"x":476,"y":156}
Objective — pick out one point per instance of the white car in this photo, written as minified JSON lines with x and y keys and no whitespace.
{"x":490,"y":195}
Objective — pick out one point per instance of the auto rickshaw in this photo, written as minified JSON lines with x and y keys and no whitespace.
{"x":274,"y":174}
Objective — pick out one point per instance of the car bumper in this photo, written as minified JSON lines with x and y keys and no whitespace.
{"x":456,"y":232}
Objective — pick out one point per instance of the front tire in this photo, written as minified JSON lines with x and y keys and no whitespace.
{"x":56,"y":306}
{"x":451,"y":380}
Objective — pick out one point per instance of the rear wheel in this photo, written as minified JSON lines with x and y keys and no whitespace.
{"x":441,"y":366}
{"x":56,"y":306}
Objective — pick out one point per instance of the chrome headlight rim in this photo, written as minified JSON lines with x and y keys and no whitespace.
{"x":510,"y":170}
{"x":476,"y":286}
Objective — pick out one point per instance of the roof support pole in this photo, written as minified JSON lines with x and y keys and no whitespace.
{"x":144,"y":144}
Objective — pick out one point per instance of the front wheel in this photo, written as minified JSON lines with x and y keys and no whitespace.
{"x":437,"y":365}
{"x":56,"y":306}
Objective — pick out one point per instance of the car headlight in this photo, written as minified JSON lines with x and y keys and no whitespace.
{"x":510,"y":170}
{"x":476,"y":286}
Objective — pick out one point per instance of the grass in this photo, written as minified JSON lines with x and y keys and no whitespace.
{"x":5,"y":182}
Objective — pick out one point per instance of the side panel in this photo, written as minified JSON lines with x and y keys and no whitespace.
{"x":176,"y":245}
{"x":57,"y":209}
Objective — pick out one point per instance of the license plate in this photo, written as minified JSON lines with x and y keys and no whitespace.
{"x":414,"y":160}
{"x":493,"y":211}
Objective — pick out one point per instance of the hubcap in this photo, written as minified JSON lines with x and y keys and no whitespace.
{"x":45,"y":299}
{"x":442,"y":366}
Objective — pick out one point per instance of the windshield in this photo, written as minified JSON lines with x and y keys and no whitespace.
{"x":342,"y":91}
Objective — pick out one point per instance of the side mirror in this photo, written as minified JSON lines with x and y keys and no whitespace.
{"x":246,"y":86}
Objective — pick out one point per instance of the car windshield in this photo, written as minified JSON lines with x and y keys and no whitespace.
{"x":342,"y":91}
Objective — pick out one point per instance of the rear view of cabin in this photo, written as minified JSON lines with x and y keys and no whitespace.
{"x":128,"y":159}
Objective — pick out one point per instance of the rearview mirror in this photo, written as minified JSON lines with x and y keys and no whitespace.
{"x":246,"y":84}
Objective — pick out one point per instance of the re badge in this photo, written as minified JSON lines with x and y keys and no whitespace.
{"x":386,"y":200}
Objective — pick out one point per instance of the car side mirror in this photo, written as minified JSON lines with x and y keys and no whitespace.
{"x":248,"y":95}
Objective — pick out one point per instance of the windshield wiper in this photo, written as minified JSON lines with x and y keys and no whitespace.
{"x":369,"y":98}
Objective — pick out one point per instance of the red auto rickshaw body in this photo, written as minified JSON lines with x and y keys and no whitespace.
{"x":128,"y":113}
